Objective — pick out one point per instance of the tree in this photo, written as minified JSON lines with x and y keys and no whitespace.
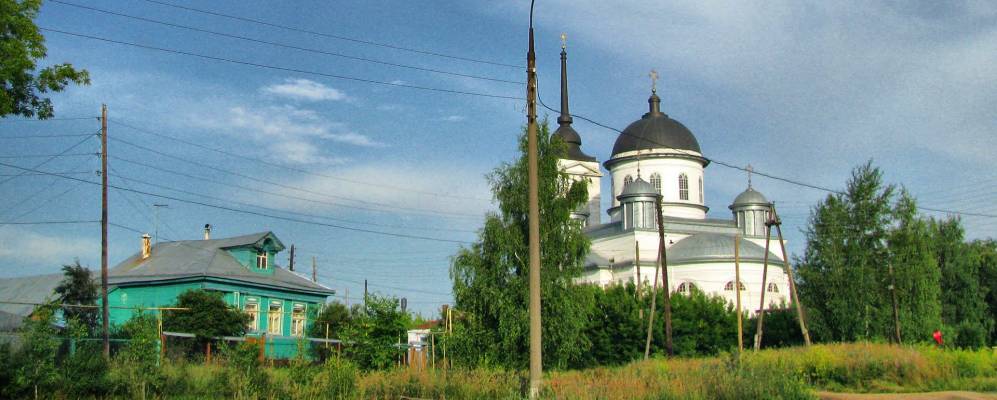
{"x":490,"y":278}
{"x":964,"y":306}
{"x":374,"y":331}
{"x":138,"y":360}
{"x":986,"y":250}
{"x":916,"y":273}
{"x":78,"y":288}
{"x":21,"y":45}
{"x":331,"y":320}
{"x":615,"y":328}
{"x":701,"y":325}
{"x":207,"y":316}
{"x":35,"y":360}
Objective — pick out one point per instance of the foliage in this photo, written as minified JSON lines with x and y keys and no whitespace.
{"x":136,"y":365}
{"x":79,"y":288}
{"x":852,"y":240}
{"x":986,"y":251}
{"x":6,"y":371}
{"x":207,"y":316}
{"x":490,"y":278}
{"x":701,"y":324}
{"x":35,"y":368}
{"x":84,"y":372}
{"x":337,"y":379}
{"x":964,"y":305}
{"x":244,"y":375}
{"x":334,"y":316}
{"x":21,"y":45}
{"x":374,"y":332}
{"x":781,"y":328}
{"x":615,"y":327}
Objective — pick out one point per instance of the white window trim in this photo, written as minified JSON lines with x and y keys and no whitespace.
{"x":296,"y":318}
{"x":254,"y":323}
{"x":262,"y":255}
{"x":280,"y":318}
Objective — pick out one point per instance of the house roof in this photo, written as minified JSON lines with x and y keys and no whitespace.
{"x":207,"y":258}
{"x":27,"y":289}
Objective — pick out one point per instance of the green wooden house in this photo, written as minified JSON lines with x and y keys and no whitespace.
{"x":243,"y":268}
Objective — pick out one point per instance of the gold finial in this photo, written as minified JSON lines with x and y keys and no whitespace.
{"x":564,"y":41}
{"x":749,"y":170}
{"x":654,"y":81}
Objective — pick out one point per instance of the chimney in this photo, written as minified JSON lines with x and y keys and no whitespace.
{"x":146,"y":246}
{"x":207,"y":231}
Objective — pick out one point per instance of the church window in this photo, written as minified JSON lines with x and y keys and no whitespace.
{"x":683,"y":187}
{"x":656,"y":181}
{"x":275,"y":318}
{"x":686,"y":287}
{"x":253,"y":310}
{"x":627,"y":180}
{"x":773,"y":288}
{"x":261,"y":260}
{"x":730,"y":286}
{"x":700,"y":190}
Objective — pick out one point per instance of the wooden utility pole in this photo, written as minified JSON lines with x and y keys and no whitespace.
{"x":536,"y":342}
{"x":792,"y":284}
{"x":290,"y":263}
{"x":637,"y":265}
{"x":896,"y":310}
{"x":737,"y":290}
{"x":664,"y":277}
{"x":365,"y":293}
{"x":105,"y":314}
{"x":314,"y":271}
{"x":765,"y":274}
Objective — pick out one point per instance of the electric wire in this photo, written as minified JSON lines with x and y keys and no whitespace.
{"x":390,"y":207}
{"x":64,"y":222}
{"x":41,"y":164}
{"x":331,"y":36}
{"x":279,"y":68}
{"x":285,"y":45}
{"x":290,"y":168}
{"x":249,"y":212}
{"x":45,"y":136}
{"x":2,"y":120}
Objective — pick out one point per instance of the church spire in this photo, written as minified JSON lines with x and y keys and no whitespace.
{"x":654,"y":101}
{"x":565,"y":117}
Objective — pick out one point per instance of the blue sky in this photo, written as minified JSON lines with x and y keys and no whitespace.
{"x":803,"y":90}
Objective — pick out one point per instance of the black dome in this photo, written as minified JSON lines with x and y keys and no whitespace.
{"x":655,"y":130}
{"x":573,"y":141}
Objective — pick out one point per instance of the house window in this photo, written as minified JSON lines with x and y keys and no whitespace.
{"x":730,"y":286}
{"x":275,"y":318}
{"x":773,"y":288}
{"x":686,"y":288}
{"x":298,"y":320}
{"x":253,"y":310}
{"x":261,"y":260}
{"x":656,"y":181}
{"x":683,"y":187}
{"x":700,"y":190}
{"x":627,"y":180}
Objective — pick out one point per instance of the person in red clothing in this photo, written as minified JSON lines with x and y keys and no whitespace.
{"x":938,"y":337}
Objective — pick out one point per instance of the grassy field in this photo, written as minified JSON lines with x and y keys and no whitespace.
{"x":793,"y":373}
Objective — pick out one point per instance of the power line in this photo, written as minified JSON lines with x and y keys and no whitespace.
{"x":285,"y":69}
{"x":284,"y":45}
{"x":46,"y":155}
{"x":290,"y":168}
{"x":249,"y":212}
{"x":45,"y":120}
{"x":753,"y":171}
{"x":49,"y":222}
{"x":331,"y":36}
{"x":45,"y":136}
{"x":390,"y":207}
{"x":41,"y":164}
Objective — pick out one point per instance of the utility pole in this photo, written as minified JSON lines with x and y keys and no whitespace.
{"x":157,"y":207}
{"x":105,"y":324}
{"x":737,"y":290}
{"x":314,"y":271}
{"x":896,"y":310}
{"x":664,"y":276}
{"x":290,"y":263}
{"x":792,"y":284}
{"x":637,"y":265}
{"x":765,"y":273}
{"x":536,"y":363}
{"x":365,"y":293}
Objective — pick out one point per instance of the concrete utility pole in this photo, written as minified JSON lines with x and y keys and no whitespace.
{"x":765,"y":274}
{"x":290,"y":262}
{"x":536,"y":361}
{"x":792,"y":284}
{"x":105,"y":324}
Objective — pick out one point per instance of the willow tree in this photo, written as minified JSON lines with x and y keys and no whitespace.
{"x":490,"y":277}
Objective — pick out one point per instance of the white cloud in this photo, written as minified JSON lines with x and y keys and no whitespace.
{"x":304,"y":89}
{"x":453,"y":118}
{"x":30,"y":248}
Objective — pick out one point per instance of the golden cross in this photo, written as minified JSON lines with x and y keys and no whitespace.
{"x":564,"y":41}
{"x":749,"y":169}
{"x":654,"y":81}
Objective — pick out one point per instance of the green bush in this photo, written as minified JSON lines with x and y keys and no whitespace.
{"x":244,"y":375}
{"x":85,"y":372}
{"x":337,"y":379}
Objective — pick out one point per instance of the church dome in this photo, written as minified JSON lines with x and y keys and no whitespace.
{"x":655,"y":130}
{"x":750,"y":197}
{"x":706,"y":247}
{"x":572,"y":141}
{"x":638,"y":188}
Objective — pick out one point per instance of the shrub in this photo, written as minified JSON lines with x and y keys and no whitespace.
{"x":136,"y":368}
{"x":244,"y":375}
{"x":337,"y":379}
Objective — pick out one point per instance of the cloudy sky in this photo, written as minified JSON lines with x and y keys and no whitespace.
{"x":333,"y":130}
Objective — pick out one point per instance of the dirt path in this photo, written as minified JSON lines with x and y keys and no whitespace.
{"x":908,"y":396}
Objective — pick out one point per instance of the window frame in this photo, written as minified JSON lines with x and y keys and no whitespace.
{"x":627,"y":180}
{"x":254,"y":322}
{"x":279,"y":313}
{"x":263,"y":256}
{"x":772,"y":288}
{"x":701,"y":201}
{"x":729,"y":287}
{"x":683,"y":187}
{"x":656,"y":181}
{"x":298,"y":320}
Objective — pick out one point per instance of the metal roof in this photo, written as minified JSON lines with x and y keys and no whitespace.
{"x":638,"y":187}
{"x":207,"y":258}
{"x":27,"y":289}
{"x":655,"y":130}
{"x":705,"y":247}
{"x":750,"y":197}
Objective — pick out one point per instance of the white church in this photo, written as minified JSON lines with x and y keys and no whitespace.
{"x":657,"y":155}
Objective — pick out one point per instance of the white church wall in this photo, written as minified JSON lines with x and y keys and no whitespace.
{"x":669,"y":169}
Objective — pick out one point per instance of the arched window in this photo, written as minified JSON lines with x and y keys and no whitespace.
{"x":730,"y":286}
{"x":683,"y":187}
{"x":700,"y":190}
{"x":627,"y":180}
{"x":773,"y":288}
{"x":656,"y":181}
{"x":686,"y":287}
